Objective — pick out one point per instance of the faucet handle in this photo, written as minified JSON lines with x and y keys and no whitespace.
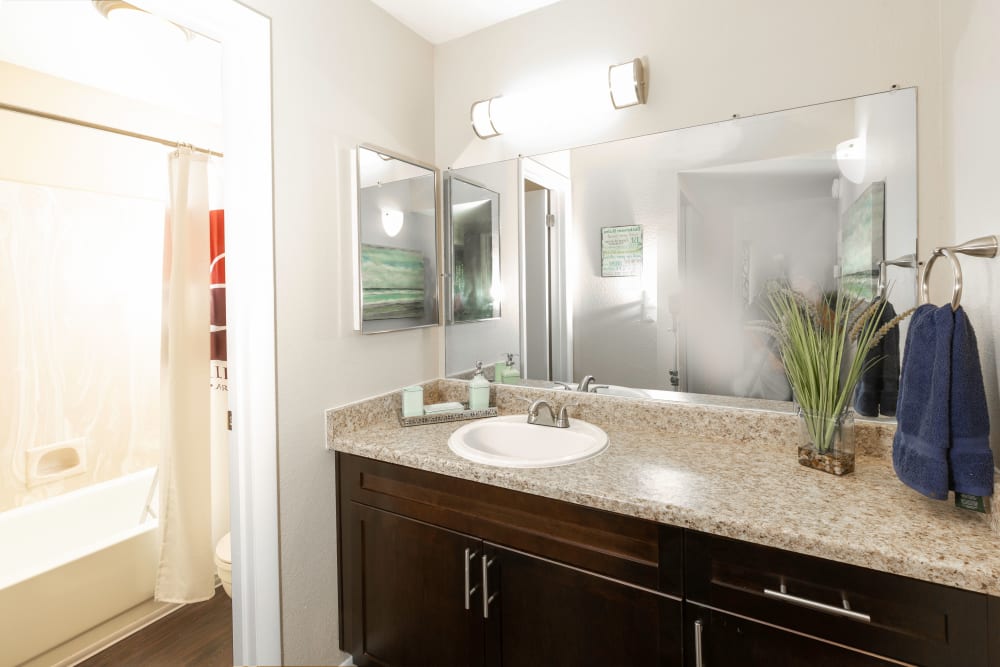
{"x":563,"y":420}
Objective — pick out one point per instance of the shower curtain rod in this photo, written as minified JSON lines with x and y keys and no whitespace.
{"x":104,"y":128}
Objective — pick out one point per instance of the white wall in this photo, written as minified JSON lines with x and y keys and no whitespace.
{"x":790,"y":223}
{"x":343,"y":73}
{"x":970,"y":54}
{"x":707,"y":60}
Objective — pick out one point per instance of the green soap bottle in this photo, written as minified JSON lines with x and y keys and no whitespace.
{"x":479,"y":390}
{"x":509,"y":373}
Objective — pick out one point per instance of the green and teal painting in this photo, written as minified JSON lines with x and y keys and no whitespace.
{"x":861,"y":242}
{"x":392,"y":282}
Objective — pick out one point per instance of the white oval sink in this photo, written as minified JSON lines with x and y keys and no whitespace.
{"x":625,"y":392}
{"x":512,"y":442}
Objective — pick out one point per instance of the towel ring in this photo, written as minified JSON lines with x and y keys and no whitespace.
{"x":956,"y":291}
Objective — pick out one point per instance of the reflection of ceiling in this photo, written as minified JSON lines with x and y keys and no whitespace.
{"x":816,"y":164}
{"x":440,"y":21}
{"x":471,"y":217}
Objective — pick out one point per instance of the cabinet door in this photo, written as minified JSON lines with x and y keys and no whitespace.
{"x":715,"y":639}
{"x":407,"y":592}
{"x":546,"y":613}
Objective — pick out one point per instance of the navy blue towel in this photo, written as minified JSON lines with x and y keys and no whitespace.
{"x":878,"y":389}
{"x":969,"y":456}
{"x":942,"y":430}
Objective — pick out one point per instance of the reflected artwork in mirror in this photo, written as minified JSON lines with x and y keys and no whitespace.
{"x":397,"y":242}
{"x":813,"y":199}
{"x":472,"y":224}
{"x":480,"y":190}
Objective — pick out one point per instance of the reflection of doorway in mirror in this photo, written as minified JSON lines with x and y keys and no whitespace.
{"x":537,"y":362}
{"x":547,"y":341}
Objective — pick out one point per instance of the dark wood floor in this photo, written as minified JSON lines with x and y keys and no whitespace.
{"x":197,"y":635}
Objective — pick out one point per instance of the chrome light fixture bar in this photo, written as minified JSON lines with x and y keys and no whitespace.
{"x":483,"y":122}
{"x":627,"y":84}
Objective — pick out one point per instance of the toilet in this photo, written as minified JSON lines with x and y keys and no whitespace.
{"x":224,"y":563}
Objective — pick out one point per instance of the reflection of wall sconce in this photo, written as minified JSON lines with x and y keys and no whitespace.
{"x":392,"y":221}
{"x":852,"y":158}
{"x":627,"y":84}
{"x":483,"y":115}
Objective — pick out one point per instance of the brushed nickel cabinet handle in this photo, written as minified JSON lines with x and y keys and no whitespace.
{"x":818,"y":606}
{"x":699,"y":659}
{"x":470,"y":556}
{"x":487,"y":598}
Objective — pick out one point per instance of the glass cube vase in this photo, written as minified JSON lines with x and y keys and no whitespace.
{"x":827,"y":443}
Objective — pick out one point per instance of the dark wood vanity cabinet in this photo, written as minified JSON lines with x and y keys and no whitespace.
{"x":548,"y":614}
{"x":840,"y":607}
{"x":440,"y":571}
{"x":717,"y":639}
{"x":405,"y":593}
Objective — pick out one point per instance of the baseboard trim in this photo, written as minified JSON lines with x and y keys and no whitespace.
{"x":98,"y":638}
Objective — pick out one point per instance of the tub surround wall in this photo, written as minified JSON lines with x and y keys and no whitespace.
{"x":728,"y":472}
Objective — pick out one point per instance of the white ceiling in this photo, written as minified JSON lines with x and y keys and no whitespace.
{"x":440,"y":21}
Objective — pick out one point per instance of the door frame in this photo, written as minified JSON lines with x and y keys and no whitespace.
{"x":247,"y":135}
{"x":561,"y":265}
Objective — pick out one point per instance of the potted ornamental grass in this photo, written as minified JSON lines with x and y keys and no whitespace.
{"x":825,"y":350}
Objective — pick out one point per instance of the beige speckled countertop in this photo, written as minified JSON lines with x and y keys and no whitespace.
{"x":728,"y":472}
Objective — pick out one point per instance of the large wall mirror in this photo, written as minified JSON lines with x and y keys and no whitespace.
{"x":397,"y":242}
{"x":671,"y":240}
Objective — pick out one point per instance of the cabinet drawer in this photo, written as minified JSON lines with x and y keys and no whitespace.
{"x":617,"y":546}
{"x":889,"y":615}
{"x":714,"y":638}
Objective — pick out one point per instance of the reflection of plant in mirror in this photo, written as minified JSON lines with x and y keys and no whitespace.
{"x":815,"y":343}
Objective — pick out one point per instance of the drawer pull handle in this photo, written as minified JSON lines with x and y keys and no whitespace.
{"x":699,"y":659}
{"x":470,"y":556}
{"x":487,"y":598}
{"x":818,"y":606}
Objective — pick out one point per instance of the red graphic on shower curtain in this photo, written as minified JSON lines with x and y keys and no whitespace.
{"x":217,"y":282}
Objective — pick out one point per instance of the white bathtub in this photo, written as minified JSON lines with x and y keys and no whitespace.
{"x":72,"y":562}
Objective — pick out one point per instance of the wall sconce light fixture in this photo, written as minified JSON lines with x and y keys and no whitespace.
{"x":627,"y":84}
{"x":483,"y":120}
{"x":392,"y":221}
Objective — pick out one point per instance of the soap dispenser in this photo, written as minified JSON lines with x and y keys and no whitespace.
{"x":479,"y":390}
{"x":509,"y":374}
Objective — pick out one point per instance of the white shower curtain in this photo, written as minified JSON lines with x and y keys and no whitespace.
{"x":186,"y":570}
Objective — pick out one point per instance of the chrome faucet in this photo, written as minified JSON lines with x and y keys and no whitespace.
{"x":585,"y":383}
{"x":548,"y":417}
